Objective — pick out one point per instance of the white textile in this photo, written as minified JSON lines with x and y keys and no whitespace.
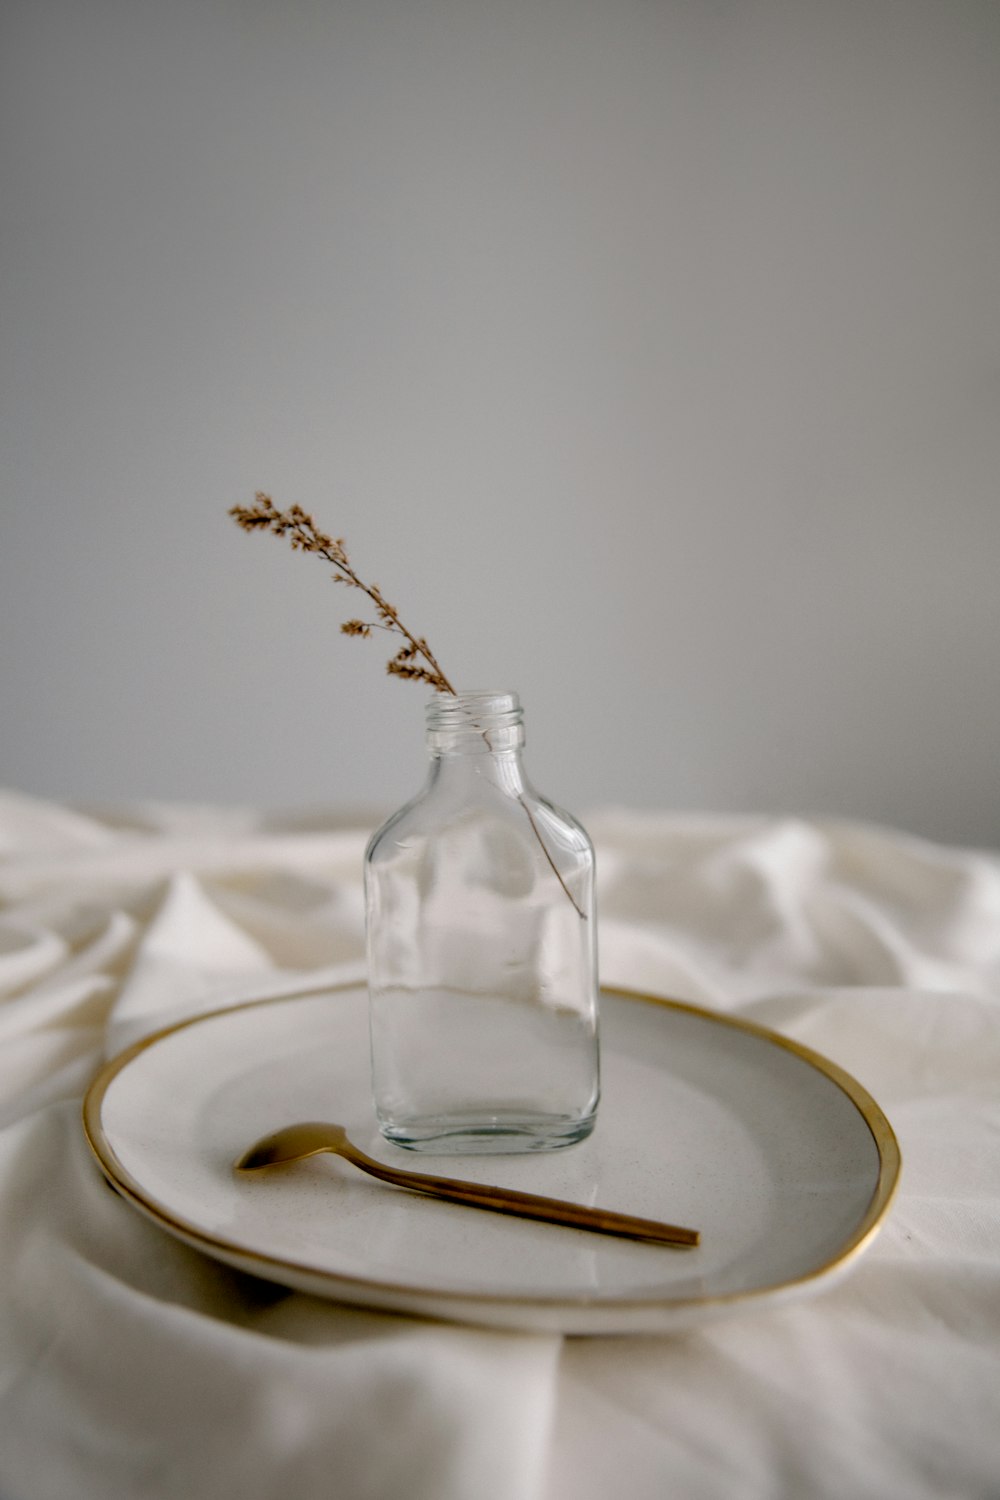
{"x":133,"y":1368}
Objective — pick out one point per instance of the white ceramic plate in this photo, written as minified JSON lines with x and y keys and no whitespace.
{"x":781,"y":1160}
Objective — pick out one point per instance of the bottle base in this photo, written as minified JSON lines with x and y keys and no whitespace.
{"x":493,"y":1135}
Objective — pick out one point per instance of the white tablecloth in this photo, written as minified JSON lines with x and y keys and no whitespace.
{"x":131,"y":1366}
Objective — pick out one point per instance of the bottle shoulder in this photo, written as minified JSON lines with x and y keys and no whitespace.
{"x":556,"y":818}
{"x":518,"y":816}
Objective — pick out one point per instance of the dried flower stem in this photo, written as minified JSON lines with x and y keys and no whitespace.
{"x":555,"y":868}
{"x":305,"y":536}
{"x":414,"y":660}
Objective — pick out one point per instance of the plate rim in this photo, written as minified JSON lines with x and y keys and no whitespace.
{"x":232,"y":1252}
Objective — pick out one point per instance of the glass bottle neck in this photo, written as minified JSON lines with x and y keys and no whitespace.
{"x":477,"y":735}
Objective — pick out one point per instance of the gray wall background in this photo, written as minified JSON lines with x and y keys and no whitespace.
{"x":646,"y":352}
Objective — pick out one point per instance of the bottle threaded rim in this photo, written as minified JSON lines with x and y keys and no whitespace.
{"x":464,"y":717}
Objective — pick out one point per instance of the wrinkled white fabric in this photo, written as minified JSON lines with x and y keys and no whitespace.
{"x":133,"y":1368}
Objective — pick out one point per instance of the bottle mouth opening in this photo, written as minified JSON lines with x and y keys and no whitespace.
{"x":465,"y":717}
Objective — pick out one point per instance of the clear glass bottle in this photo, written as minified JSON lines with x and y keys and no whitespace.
{"x":482,"y":953}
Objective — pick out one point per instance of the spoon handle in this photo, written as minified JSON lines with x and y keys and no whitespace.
{"x":528,"y":1205}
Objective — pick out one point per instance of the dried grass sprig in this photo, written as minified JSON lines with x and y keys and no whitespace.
{"x":414,"y":660}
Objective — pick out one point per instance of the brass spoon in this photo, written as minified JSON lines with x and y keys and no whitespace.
{"x":298,"y":1141}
